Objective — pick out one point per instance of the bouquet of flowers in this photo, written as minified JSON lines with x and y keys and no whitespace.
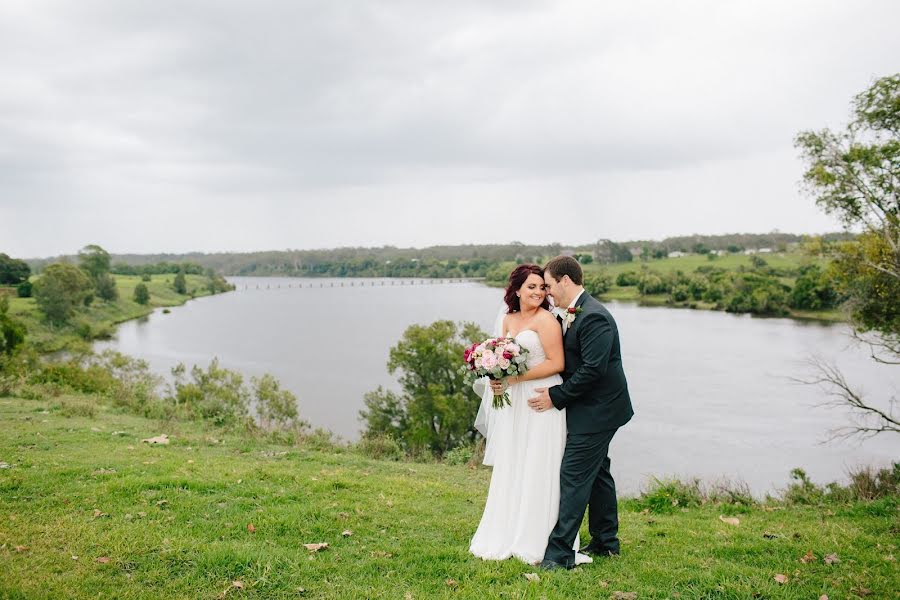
{"x":496,"y":358}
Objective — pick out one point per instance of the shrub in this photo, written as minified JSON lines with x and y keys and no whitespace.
{"x":12,"y":331}
{"x":627,"y":278}
{"x":141,"y":294}
{"x":680,"y":293}
{"x":669,"y":495}
{"x":276,"y":408}
{"x":460,"y":455}
{"x":24,"y":289}
{"x":597,"y":283}
{"x":380,"y":447}
{"x":70,"y":408}
{"x":216,"y":394}
{"x":105,"y":285}
{"x":180,"y":284}
{"x":651,"y":283}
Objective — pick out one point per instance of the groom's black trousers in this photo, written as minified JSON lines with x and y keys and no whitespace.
{"x":584,"y":478}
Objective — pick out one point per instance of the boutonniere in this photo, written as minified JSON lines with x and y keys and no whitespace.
{"x":571,"y":313}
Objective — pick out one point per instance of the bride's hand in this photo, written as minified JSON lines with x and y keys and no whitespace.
{"x":499,"y":385}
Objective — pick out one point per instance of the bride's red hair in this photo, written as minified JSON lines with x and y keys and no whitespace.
{"x":516,"y":281}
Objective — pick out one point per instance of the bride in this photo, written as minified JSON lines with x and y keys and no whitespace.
{"x":525,"y":447}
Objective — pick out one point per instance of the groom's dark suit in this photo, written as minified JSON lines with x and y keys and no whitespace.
{"x":595,"y":395}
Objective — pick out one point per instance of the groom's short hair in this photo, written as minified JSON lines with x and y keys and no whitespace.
{"x":565,"y":265}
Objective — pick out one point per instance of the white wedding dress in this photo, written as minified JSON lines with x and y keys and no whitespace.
{"x":525,"y":448}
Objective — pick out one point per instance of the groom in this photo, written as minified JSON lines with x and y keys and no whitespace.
{"x":595,"y":395}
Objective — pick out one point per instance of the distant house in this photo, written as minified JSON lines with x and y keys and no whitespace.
{"x":765,"y":250}
{"x":750,"y":251}
{"x":676,"y":254}
{"x":635,"y":251}
{"x":566,"y":252}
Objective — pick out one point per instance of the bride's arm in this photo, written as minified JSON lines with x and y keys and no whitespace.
{"x":552,"y":341}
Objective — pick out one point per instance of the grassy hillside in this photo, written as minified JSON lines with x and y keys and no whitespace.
{"x":89,"y":511}
{"x":99,"y":319}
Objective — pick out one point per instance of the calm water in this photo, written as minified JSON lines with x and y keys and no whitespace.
{"x":710,"y":390}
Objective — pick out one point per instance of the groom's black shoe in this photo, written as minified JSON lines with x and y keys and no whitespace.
{"x":551,"y":565}
{"x":599,"y":551}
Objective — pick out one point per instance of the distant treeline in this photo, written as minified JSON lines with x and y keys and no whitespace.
{"x":434,"y":261}
{"x":160,"y":268}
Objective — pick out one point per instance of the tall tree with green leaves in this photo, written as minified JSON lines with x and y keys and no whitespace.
{"x":12,"y":270}
{"x":94,"y":260}
{"x":435,"y":411}
{"x":854,"y":174}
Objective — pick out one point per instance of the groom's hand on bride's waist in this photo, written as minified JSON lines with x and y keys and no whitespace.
{"x":542,"y":401}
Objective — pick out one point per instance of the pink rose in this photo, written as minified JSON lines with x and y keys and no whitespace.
{"x":489,"y":360}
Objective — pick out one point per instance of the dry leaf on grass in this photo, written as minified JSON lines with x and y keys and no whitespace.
{"x":238,"y":584}
{"x":808,"y":557}
{"x":103,"y":560}
{"x":381,"y":554}
{"x":730,"y":520}
{"x":781,"y":578}
{"x":251,"y":528}
{"x":21,"y":548}
{"x":531,"y":577}
{"x":452,"y":583}
{"x":831,"y":559}
{"x":861,"y":591}
{"x":162,"y":439}
{"x":316,"y":547}
{"x":823,"y":597}
{"x":99,"y":513}
{"x":408,"y":596}
{"x":623,"y":596}
{"x":604,"y":584}
{"x":347,"y":533}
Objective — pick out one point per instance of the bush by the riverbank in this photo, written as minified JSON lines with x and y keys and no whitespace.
{"x":98,"y":320}
{"x":89,"y":510}
{"x":779,"y":284}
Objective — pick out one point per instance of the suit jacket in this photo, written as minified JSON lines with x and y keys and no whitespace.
{"x":594,"y":391}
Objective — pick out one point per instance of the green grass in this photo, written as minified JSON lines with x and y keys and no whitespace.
{"x":173,"y":523}
{"x":102,"y":316}
{"x":690,"y":263}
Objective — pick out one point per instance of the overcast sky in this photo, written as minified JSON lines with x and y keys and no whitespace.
{"x":154,"y":126}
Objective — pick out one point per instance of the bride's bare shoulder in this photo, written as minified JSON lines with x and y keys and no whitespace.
{"x":544,"y":316}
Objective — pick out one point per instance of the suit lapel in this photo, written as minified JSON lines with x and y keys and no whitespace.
{"x":578,"y":303}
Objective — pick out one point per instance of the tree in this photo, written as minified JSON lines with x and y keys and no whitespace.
{"x":12,"y":331}
{"x":854,"y":174}
{"x":141,"y":294}
{"x":13,"y":271}
{"x":60,"y":289}
{"x":105,"y":285}
{"x":180,"y":284}
{"x":94,"y":260}
{"x":276,"y":407}
{"x":436,"y":408}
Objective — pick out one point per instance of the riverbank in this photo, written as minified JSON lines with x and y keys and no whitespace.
{"x":89,"y":510}
{"x":779,"y":269}
{"x":98,"y":320}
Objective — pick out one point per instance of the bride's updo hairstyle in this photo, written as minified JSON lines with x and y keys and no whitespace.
{"x":516,"y":281}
